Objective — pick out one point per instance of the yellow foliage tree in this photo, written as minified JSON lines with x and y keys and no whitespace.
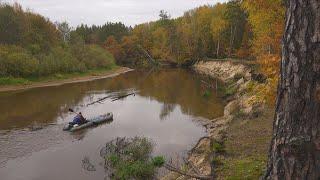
{"x":218,"y":25}
{"x":266,"y":18}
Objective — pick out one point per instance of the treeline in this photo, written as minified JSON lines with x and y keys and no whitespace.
{"x":248,"y":29}
{"x":99,"y":34}
{"x":217,"y":31}
{"x":31,"y":45}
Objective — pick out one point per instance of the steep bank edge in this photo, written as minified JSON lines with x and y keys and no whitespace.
{"x":107,"y":74}
{"x":239,"y":77}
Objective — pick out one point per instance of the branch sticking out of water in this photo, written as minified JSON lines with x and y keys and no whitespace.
{"x":113,"y":97}
{"x":121,"y":97}
{"x":191,"y":175}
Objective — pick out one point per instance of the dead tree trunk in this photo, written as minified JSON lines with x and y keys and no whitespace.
{"x":295,"y":146}
{"x":218,"y":47}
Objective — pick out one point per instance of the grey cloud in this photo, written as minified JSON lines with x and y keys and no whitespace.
{"x":130,"y":12}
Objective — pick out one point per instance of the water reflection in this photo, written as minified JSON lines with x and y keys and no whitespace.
{"x":171,"y":87}
{"x":163,"y":109}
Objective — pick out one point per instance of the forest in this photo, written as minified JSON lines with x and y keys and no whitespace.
{"x":265,"y":96}
{"x":32,"y":45}
{"x":249,"y":30}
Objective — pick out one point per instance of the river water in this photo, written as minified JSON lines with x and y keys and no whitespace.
{"x":164,"y":109}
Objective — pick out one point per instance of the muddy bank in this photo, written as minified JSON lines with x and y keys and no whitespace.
{"x":91,"y":77}
{"x":237,"y":78}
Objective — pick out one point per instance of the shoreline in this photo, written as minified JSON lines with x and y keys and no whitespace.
{"x":76,"y":79}
{"x":206,"y":155}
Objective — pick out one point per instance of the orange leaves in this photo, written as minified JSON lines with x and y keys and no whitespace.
{"x":267,"y":20}
{"x":112,"y":45}
{"x":269,"y":65}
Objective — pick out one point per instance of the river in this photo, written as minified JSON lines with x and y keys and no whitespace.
{"x":164,"y":109}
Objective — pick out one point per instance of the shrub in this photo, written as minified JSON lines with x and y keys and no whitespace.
{"x":218,"y":147}
{"x":12,"y":81}
{"x":207,"y":94}
{"x":137,"y":170}
{"x":230,"y":90}
{"x":96,"y":57}
{"x":240,"y":114}
{"x":17,"y":62}
{"x":130,"y":158}
{"x":158,"y":161}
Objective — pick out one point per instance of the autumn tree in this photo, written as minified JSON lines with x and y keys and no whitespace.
{"x":11,"y":30}
{"x":218,"y":25}
{"x":130,"y":50}
{"x":236,"y":19}
{"x":266,"y":19}
{"x":160,"y":43}
{"x":112,"y":45}
{"x":295,"y":146}
{"x":31,"y":45}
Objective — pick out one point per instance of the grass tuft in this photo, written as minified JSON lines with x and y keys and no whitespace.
{"x":13,"y":81}
{"x":218,"y":147}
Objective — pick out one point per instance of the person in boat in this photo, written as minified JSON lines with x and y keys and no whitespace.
{"x":78,"y":119}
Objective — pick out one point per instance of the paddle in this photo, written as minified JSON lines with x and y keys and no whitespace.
{"x":71,"y":110}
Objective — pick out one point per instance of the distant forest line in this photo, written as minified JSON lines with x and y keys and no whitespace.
{"x":31,"y":45}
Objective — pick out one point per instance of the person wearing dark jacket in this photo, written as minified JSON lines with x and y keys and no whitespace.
{"x":78,"y":119}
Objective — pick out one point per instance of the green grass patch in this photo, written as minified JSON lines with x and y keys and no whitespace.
{"x":206,"y":94}
{"x":239,"y":114}
{"x":158,"y":161}
{"x":13,"y":81}
{"x":247,"y":146}
{"x":218,"y":147}
{"x":243,"y":168}
{"x":227,"y":90}
{"x":54,"y":77}
{"x":136,"y":169}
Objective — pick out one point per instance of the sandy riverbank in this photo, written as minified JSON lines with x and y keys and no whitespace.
{"x":89,"y":77}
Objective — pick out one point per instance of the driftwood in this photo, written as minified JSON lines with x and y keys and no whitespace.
{"x":193,"y":168}
{"x":193,"y":171}
{"x":191,"y":175}
{"x":113,"y":97}
{"x":194,"y":148}
{"x":99,"y":100}
{"x":121,"y":97}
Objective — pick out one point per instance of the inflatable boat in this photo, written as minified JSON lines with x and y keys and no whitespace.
{"x":90,"y":122}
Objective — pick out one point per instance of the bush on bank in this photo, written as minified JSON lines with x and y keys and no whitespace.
{"x":32,"y":46}
{"x":16,"y":61}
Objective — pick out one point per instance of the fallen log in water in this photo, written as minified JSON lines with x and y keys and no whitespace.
{"x":114,"y":98}
{"x":99,"y":100}
{"x":121,"y":97}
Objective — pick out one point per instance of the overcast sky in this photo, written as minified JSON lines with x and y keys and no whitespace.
{"x":130,"y":12}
